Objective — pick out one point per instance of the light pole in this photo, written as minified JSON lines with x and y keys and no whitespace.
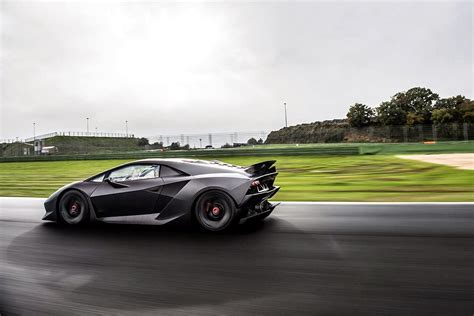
{"x":200,"y":142}
{"x":34,"y":138}
{"x":126,"y":128}
{"x":87,"y":126}
{"x":286,"y":118}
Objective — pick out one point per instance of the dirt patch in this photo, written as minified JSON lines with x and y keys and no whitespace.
{"x":460,"y":161}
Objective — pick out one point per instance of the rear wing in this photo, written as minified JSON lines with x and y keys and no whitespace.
{"x":261,"y":168}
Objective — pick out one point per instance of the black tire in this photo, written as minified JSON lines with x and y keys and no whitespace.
{"x":214,"y":210}
{"x":73,"y":208}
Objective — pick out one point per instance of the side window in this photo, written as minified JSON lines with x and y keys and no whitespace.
{"x":168,"y":172}
{"x":135,"y":172}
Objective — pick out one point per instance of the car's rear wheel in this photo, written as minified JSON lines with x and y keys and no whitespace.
{"x":214,"y":210}
{"x":73,"y":208}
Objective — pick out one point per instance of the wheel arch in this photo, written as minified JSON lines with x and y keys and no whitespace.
{"x":208,"y":189}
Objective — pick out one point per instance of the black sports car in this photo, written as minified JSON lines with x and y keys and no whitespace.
{"x":213,"y":193}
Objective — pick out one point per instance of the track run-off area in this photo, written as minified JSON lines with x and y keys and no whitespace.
{"x":306,"y":258}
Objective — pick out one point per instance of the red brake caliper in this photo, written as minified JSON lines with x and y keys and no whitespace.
{"x":73,"y":208}
{"x":215,"y":211}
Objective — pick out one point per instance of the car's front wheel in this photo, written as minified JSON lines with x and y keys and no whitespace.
{"x":214,"y":210}
{"x":73,"y":208}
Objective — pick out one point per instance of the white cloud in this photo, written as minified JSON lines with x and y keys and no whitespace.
{"x":200,"y":67}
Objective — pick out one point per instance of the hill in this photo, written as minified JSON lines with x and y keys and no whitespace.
{"x":336,"y":131}
{"x":81,"y":144}
{"x":332,"y":131}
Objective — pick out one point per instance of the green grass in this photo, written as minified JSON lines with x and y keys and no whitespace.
{"x":302,"y":178}
{"x":269,"y":150}
{"x":418,"y":148}
{"x":386,"y":148}
{"x":323,"y":150}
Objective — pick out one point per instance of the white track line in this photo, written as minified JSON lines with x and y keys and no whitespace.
{"x":376,"y":203}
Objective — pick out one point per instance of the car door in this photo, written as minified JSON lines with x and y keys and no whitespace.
{"x":129,"y":190}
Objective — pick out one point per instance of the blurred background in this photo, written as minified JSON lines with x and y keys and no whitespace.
{"x":339,"y":93}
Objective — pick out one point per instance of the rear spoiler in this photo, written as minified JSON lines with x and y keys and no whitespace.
{"x":261,"y":168}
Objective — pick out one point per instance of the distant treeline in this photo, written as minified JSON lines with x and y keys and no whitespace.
{"x":414,"y":115}
{"x":413,"y":107}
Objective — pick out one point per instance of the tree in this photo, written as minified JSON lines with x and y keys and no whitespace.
{"x":226,"y":145}
{"x":389,"y":113}
{"x":360,"y":115}
{"x":414,"y":118}
{"x":175,"y":146}
{"x":467,"y":111}
{"x":453,"y":106}
{"x":143,"y":142}
{"x":441,"y":116}
{"x":418,"y":101}
{"x":157,"y":145}
{"x":260,"y":141}
{"x":450,"y":103}
{"x":411,"y":107}
{"x":252,"y":141}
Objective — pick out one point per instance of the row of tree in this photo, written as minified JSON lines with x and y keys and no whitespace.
{"x":142,"y":142}
{"x":415,"y":106}
{"x":252,"y":141}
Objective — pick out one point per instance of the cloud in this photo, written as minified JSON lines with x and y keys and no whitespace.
{"x":203,"y":67}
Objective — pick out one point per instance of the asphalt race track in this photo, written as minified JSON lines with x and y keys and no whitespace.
{"x":334,"y":259}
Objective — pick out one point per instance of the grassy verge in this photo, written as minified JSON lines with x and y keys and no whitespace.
{"x":339,"y":149}
{"x":417,"y":148}
{"x":302,"y":178}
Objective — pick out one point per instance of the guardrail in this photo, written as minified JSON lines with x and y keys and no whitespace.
{"x":292,"y":151}
{"x":82,"y":134}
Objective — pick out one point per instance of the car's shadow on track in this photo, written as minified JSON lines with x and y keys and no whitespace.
{"x":135,"y":267}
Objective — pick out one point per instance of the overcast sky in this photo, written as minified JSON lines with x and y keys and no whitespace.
{"x":220,"y":67}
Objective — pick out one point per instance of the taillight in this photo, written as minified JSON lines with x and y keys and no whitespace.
{"x":256,"y":186}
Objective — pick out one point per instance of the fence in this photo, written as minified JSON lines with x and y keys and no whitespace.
{"x":108,"y":143}
{"x":81,"y":134}
{"x":193,"y":140}
{"x":250,"y":151}
{"x":210,"y":139}
{"x":420,"y":133}
{"x":94,"y":144}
